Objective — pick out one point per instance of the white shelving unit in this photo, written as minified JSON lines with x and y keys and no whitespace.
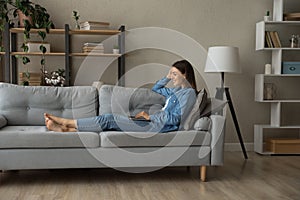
{"x":275,"y":129}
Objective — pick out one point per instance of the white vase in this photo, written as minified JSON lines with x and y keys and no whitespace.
{"x":116,"y":51}
{"x":267,"y":18}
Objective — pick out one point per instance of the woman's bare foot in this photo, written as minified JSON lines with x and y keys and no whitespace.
{"x":53,"y":126}
{"x":69,"y":123}
{"x":57,"y":120}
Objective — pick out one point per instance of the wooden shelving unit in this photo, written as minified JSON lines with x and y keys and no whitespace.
{"x":11,"y":50}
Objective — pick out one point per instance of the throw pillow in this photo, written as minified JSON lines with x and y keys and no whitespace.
{"x":203,"y":124}
{"x":213,"y":106}
{"x":196,"y":110}
{"x":3,"y":121}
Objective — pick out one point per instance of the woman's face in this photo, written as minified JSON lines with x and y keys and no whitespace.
{"x":177,"y":77}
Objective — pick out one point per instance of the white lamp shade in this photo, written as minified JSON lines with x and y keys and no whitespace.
{"x":223,"y":59}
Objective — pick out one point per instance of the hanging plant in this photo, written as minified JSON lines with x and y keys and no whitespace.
{"x":36,"y":17}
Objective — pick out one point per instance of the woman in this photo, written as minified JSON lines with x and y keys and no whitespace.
{"x":179,"y":102}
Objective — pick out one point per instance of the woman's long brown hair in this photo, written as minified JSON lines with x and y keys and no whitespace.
{"x":187,"y":69}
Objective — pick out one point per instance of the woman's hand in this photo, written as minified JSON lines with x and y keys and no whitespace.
{"x":169,"y":74}
{"x":143,"y":114}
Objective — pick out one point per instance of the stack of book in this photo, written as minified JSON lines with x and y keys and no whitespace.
{"x":272,"y":39}
{"x":291,"y":17}
{"x":34,"y":80}
{"x":93,"y":25}
{"x":93,"y":47}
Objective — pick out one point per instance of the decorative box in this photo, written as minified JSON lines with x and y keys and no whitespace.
{"x":291,"y":68}
{"x":284,"y":146}
{"x":35,"y":46}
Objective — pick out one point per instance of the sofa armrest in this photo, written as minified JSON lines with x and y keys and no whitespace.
{"x":217,"y":139}
{"x":3,"y":121}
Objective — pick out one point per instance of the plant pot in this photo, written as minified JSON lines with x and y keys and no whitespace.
{"x":116,"y":51}
{"x":23,"y":17}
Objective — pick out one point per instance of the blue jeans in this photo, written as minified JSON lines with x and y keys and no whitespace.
{"x":114,"y":122}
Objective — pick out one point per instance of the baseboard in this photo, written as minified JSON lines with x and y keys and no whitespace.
{"x":237,"y":147}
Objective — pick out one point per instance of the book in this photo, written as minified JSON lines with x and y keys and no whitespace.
{"x":268,"y":40}
{"x":93,"y":47}
{"x":90,"y":27}
{"x":93,"y":25}
{"x":274,"y":39}
{"x":92,"y":44}
{"x":277,"y":38}
{"x":291,"y":16}
{"x":93,"y":51}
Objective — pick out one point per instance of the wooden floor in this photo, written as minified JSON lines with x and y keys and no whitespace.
{"x":260,"y":177}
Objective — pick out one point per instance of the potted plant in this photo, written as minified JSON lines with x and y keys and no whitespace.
{"x":76,"y":17}
{"x":31,"y":15}
{"x":116,"y":49}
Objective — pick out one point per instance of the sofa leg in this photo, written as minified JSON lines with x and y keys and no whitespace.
{"x":203,"y":173}
{"x":188,"y":168}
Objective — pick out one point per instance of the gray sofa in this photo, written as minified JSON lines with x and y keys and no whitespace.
{"x":25,"y":143}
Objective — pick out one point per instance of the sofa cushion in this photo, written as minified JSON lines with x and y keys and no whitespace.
{"x":38,"y":137}
{"x":128,"y":101}
{"x":203,"y":124}
{"x":142,"y":139}
{"x":3,"y":121}
{"x":196,"y":111}
{"x":25,"y":105}
{"x":213,"y":106}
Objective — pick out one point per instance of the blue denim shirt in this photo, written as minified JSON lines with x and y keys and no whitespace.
{"x":180,"y":103}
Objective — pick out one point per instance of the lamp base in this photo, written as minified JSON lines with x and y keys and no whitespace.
{"x":219,"y":95}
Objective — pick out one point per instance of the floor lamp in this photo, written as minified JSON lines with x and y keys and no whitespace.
{"x":225,"y":59}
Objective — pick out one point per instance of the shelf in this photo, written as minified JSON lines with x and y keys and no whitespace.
{"x":96,"y":54}
{"x":283,"y":22}
{"x":279,"y":75}
{"x":280,"y":127}
{"x":63,"y":54}
{"x":261,"y":134}
{"x":94,"y":32}
{"x":71,"y":32}
{"x":51,"y":31}
{"x":278,"y":80}
{"x":282,"y":48}
{"x":37,"y":54}
{"x":2,"y":53}
{"x":278,"y":101}
{"x":271,"y":153}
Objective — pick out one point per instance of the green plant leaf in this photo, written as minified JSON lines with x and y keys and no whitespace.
{"x":24,"y":47}
{"x":42,"y":34}
{"x":43,"y":49}
{"x":25,"y":60}
{"x":43,"y":61}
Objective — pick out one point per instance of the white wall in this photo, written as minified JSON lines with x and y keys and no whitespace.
{"x":209,"y":22}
